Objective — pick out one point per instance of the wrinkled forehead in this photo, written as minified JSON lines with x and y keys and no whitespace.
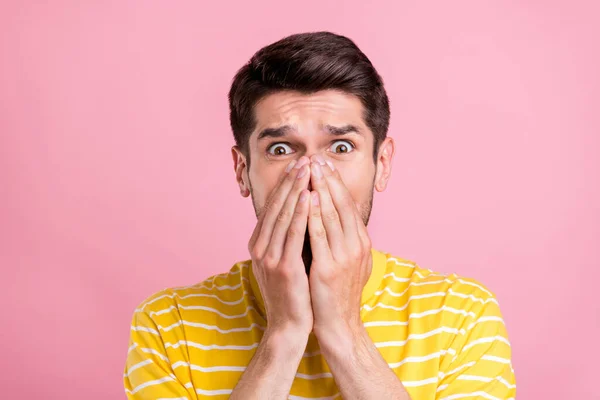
{"x":309,"y":113}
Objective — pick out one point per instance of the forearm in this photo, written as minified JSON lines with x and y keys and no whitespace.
{"x":272,"y":369}
{"x":359,"y":370}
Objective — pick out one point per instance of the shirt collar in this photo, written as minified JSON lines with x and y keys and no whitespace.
{"x":377,"y":272}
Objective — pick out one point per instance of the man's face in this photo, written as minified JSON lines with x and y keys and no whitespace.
{"x":290,"y":125}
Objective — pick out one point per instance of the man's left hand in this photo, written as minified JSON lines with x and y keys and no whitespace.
{"x":341,"y":250}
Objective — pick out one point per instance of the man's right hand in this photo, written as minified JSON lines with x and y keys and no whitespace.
{"x":276,"y":251}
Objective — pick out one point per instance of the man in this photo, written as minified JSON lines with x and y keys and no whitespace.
{"x":316,"y":312}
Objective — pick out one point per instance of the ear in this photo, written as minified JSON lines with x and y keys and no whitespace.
{"x":384,"y":164}
{"x":241,"y":172}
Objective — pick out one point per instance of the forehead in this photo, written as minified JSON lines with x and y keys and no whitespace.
{"x":328,"y":107}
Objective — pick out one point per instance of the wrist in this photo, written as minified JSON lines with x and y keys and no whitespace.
{"x":285,"y":342}
{"x":339,"y":338}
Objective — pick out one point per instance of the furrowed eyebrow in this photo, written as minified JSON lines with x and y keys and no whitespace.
{"x":285,"y":129}
{"x":342,"y":130}
{"x":274,"y":132}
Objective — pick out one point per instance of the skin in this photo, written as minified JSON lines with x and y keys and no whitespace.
{"x":322,"y":185}
{"x":309,"y":114}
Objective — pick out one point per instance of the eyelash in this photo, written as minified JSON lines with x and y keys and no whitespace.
{"x":288,"y":144}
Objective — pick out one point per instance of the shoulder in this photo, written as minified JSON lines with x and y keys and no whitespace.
{"x":165,"y":306}
{"x":451,"y":283}
{"x":455,"y":298}
{"x":453,"y":302}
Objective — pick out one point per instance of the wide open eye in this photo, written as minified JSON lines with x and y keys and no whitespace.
{"x":279,"y":149}
{"x":342,"y":146}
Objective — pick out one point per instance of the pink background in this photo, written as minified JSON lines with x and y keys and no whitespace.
{"x":117,"y":181}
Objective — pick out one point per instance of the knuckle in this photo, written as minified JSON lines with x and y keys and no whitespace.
{"x":286,"y":262}
{"x":284,"y":215}
{"x":273,"y":204}
{"x":356,"y":253}
{"x":315,"y":212}
{"x":265,"y":209}
{"x":283,"y":263}
{"x":298,"y":211}
{"x":320,"y":233}
{"x":330,"y":216}
{"x":256,"y":254}
{"x":277,"y":204}
{"x":345,"y":259}
{"x":347,"y":203}
{"x":285,"y":272}
{"x":269,"y":261}
{"x":326,"y":275}
{"x":267,"y":204}
{"x":293,"y":233}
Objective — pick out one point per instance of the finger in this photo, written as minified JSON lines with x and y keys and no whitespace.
{"x":316,"y":230}
{"x":329,"y":215}
{"x":342,"y":201}
{"x":295,"y":233}
{"x":273,"y":206}
{"x":284,"y":218}
{"x":262,"y":212}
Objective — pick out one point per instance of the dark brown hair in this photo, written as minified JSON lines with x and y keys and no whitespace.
{"x":307,"y":63}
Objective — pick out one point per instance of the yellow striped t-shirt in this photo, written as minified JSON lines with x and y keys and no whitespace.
{"x":442,"y":335}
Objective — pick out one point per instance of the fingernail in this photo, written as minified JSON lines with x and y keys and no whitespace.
{"x":302,"y":162}
{"x":303,"y":197}
{"x":317,"y":170}
{"x":302,"y":173}
{"x":290,"y":166}
{"x":315,"y":198}
{"x":330,"y":165}
{"x":320,"y":159}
